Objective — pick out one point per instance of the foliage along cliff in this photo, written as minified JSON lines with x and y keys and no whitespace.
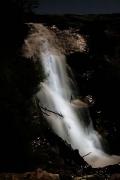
{"x":19,"y":78}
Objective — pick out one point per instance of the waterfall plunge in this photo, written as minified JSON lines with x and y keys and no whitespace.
{"x":56,"y":94}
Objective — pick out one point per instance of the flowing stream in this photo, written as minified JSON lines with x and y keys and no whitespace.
{"x":59,"y":94}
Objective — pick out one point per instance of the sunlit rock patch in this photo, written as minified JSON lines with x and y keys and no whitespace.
{"x":71,"y":40}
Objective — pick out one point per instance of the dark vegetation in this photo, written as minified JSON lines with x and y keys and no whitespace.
{"x":19,"y":80}
{"x":97,"y":73}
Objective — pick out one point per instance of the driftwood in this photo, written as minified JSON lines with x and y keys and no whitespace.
{"x":36,"y":101}
{"x":86,"y":154}
{"x":45,"y":109}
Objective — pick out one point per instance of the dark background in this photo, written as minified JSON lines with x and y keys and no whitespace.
{"x":78,"y":6}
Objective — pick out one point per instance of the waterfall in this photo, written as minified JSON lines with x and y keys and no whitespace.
{"x":59,"y":94}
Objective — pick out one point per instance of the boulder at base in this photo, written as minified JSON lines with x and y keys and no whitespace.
{"x":89,"y":177}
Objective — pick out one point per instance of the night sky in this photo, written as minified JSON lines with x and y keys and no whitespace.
{"x":78,"y":6}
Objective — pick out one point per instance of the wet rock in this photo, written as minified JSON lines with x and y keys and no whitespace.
{"x":47,"y":176}
{"x":39,"y":170}
{"x":89,"y":177}
{"x":115,"y":177}
{"x":65,"y":177}
{"x":27,"y":176}
{"x":30,"y":176}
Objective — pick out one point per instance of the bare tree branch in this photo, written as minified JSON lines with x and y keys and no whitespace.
{"x":59,"y":114}
{"x":87,"y":154}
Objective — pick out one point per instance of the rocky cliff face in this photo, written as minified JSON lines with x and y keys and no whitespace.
{"x":91,"y":44}
{"x":84,"y":40}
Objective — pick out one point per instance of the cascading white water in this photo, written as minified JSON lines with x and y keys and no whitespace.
{"x":59,"y":94}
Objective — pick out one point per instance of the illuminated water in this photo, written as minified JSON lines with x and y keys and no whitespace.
{"x":59,"y":94}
